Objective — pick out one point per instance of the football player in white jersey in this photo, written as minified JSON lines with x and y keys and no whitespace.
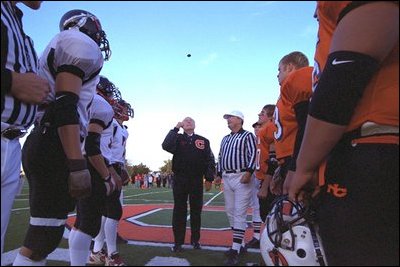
{"x":105,"y":180}
{"x":53,"y":154}
{"x":112,"y":146}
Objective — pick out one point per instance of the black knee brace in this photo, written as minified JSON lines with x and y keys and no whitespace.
{"x":90,"y":227}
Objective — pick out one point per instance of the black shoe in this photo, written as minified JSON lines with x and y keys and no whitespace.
{"x":242,"y":251}
{"x":254,"y":243}
{"x":196,"y":245}
{"x":177,"y":248}
{"x":232,"y":258}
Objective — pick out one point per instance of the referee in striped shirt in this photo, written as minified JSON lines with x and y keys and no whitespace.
{"x":236,"y":163}
{"x":21,"y":90}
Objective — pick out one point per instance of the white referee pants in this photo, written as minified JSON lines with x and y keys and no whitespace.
{"x":237,"y":199}
{"x":10,"y":180}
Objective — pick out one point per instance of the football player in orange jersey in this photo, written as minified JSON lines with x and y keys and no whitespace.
{"x":294,"y":76}
{"x":353,"y":122}
{"x":266,"y":162}
{"x":261,"y":202}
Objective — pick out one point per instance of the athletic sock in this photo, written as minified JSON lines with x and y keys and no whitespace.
{"x":21,"y":260}
{"x":79,"y":248}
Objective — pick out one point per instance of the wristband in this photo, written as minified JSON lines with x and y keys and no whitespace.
{"x":76,"y":164}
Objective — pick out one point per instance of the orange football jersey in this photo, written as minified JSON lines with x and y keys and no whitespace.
{"x":265,"y":138}
{"x":380,"y":101}
{"x":295,"y":89}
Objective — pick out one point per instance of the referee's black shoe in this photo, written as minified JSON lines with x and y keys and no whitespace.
{"x":196,"y":245}
{"x":254,"y":243}
{"x":242,"y":251}
{"x":177,"y":248}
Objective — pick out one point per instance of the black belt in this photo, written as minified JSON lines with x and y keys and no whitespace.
{"x":12,"y":133}
{"x":235,"y":171}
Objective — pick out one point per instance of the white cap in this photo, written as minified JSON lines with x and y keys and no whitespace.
{"x":235,"y":113}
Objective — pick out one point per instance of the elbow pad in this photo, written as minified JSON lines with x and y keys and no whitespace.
{"x":341,"y":86}
{"x":92,"y":144}
{"x":65,"y":109}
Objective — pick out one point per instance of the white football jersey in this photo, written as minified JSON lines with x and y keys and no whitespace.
{"x":102,"y":113}
{"x":74,"y":52}
{"x":120,"y":135}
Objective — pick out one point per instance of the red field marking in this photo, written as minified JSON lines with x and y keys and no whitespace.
{"x":131,"y":231}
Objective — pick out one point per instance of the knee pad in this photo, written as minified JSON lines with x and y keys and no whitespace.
{"x":89,"y":226}
{"x":43,"y":240}
{"x":113,"y":209}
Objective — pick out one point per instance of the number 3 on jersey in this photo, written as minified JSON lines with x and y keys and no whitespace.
{"x":278,"y":132}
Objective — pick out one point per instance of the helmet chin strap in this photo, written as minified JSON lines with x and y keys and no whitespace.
{"x":317,"y":247}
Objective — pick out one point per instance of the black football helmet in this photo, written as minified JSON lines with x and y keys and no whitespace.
{"x":107,"y":89}
{"x":128,"y":110}
{"x":90,"y":25}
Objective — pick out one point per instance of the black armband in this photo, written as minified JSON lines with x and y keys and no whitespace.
{"x":92,"y":144}
{"x":341,"y":86}
{"x":76,"y":164}
{"x":65,"y":109}
{"x":301,"y":111}
{"x":272,"y":165}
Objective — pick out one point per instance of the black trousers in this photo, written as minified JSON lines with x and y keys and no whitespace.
{"x":44,"y":163}
{"x":89,"y":210}
{"x":185,"y":188}
{"x":113,"y":207}
{"x":359,"y":212}
{"x":266,"y":205}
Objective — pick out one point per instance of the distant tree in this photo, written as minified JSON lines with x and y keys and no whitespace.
{"x":167,"y":168}
{"x":138,"y":169}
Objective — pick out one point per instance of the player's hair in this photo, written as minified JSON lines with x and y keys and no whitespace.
{"x":298,"y":59}
{"x":269,"y":108}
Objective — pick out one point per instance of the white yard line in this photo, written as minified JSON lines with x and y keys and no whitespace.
{"x":149,"y":193}
{"x":208,"y":202}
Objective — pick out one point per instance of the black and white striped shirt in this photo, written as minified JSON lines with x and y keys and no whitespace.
{"x":237,"y":152}
{"x":18,"y":55}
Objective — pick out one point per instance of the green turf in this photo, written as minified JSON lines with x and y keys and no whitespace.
{"x":137,"y":255}
{"x":209,"y":219}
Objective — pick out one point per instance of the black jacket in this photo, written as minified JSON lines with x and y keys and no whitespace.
{"x":192,"y":155}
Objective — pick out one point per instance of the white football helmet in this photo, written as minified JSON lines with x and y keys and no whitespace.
{"x":290,"y":238}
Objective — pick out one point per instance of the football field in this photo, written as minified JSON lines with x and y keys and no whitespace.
{"x":146,"y":225}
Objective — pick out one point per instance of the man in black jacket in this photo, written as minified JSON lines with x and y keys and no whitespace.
{"x":192,"y":160}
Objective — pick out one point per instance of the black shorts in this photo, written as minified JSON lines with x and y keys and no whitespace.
{"x":44,"y":163}
{"x":359,"y":212}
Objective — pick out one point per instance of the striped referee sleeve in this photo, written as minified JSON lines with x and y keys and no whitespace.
{"x":17,"y":55}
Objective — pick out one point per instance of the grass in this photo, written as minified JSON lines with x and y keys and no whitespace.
{"x":140,"y":253}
